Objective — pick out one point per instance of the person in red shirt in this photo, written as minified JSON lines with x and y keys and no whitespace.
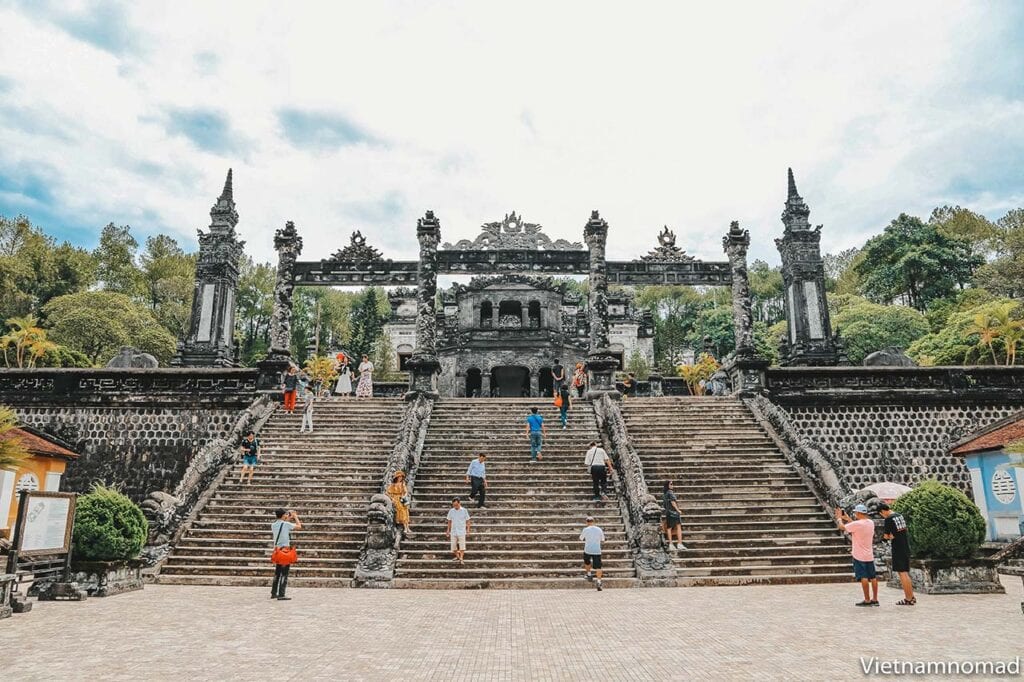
{"x":862,"y":535}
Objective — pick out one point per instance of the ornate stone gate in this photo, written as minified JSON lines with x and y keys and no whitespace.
{"x":512,"y":245}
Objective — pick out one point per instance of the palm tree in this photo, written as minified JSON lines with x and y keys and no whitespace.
{"x":987,"y":328}
{"x":12,"y":450}
{"x":29,"y":341}
{"x":1010,"y":330}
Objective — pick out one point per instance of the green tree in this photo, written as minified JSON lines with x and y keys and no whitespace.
{"x":255,"y":301}
{"x":964,"y":225}
{"x":26,"y":341}
{"x":99,"y":323}
{"x":964,"y":339}
{"x":714,"y":324}
{"x":912,"y":260}
{"x":638,"y":365}
{"x":168,"y":280}
{"x":115,"y":258}
{"x":841,"y":275}
{"x":674,"y":309}
{"x":13,"y":452}
{"x":867,"y":327}
{"x":1004,"y":274}
{"x":369,"y":313}
{"x":766,"y":292}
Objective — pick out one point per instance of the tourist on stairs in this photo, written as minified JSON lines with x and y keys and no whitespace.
{"x":579,"y":379}
{"x":290,"y":386}
{"x":457,"y":529}
{"x":287,"y":521}
{"x":250,"y":449}
{"x":558,"y":377}
{"x":399,"y":494}
{"x":344,"y":385}
{"x":308,"y":397}
{"x":476,"y":477}
{"x":535,"y":432}
{"x":895,"y":529}
{"x":592,"y":537}
{"x":600,"y":466}
{"x":673,"y":522}
{"x":862,"y":535}
{"x":365,"y":387}
{"x":563,"y":407}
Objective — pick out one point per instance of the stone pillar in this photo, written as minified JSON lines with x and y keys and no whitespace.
{"x":810,"y":340}
{"x":735,"y":243}
{"x":535,"y":384}
{"x":600,"y":361}
{"x":210,"y":339}
{"x":485,"y":383}
{"x":423,"y":365}
{"x":288,"y":244}
{"x":655,"y":378}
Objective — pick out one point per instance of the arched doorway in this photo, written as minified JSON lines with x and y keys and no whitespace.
{"x":510,"y":382}
{"x":474,"y":382}
{"x":510,"y":315}
{"x":545,"y":382}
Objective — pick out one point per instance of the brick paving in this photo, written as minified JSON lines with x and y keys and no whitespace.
{"x":799,"y":632}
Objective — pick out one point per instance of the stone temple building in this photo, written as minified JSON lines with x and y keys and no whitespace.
{"x":500,"y":335}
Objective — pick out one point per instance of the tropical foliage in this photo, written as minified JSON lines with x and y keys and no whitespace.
{"x":699,"y":372}
{"x":12,"y":450}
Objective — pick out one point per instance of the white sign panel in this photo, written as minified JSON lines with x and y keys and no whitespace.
{"x":46,"y":524}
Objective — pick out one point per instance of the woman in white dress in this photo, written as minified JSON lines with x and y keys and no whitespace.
{"x":344,"y":385}
{"x":365,"y":387}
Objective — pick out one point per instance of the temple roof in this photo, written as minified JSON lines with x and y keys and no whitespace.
{"x":992,"y":437}
{"x":39,"y":443}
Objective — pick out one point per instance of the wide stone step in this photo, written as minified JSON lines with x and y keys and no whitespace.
{"x":519,"y":583}
{"x":478,"y":562}
{"x":801,"y":569}
{"x":264,"y":572}
{"x":470,"y":570}
{"x":263,"y":535}
{"x":686,"y":560}
{"x":697,"y":550}
{"x":220,"y":557}
{"x":294,"y":580}
{"x":765,"y":579}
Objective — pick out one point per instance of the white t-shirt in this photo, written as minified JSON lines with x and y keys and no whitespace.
{"x":592,"y":537}
{"x":458,"y":517}
{"x":596,"y":456}
{"x":282,"y":531}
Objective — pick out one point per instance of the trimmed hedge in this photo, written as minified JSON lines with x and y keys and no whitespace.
{"x":108,"y":526}
{"x":943,"y":522}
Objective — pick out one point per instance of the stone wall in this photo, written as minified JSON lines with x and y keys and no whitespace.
{"x":137,"y":429}
{"x":895,"y":424}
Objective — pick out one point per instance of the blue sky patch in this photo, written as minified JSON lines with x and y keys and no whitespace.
{"x":207,"y":129}
{"x":317,"y":130}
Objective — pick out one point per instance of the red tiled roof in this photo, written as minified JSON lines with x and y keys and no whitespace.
{"x":38,"y":443}
{"x":993,"y":436}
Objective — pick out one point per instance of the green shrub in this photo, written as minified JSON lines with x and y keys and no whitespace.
{"x":943,"y":522}
{"x":108,"y":526}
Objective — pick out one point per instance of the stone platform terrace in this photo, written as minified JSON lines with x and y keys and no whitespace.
{"x":793,"y":632}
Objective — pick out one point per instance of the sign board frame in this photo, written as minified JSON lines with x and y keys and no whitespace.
{"x":19,"y":533}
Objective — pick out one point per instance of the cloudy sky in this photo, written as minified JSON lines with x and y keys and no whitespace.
{"x":363,"y":115}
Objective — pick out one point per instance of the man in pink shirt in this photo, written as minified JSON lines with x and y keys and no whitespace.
{"x":862,"y":534}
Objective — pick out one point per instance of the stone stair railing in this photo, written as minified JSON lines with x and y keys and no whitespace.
{"x":170,"y":514}
{"x":821,"y":472}
{"x":641,"y":510}
{"x":376,"y":566}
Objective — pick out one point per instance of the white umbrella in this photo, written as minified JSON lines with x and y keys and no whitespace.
{"x":887,"y":491}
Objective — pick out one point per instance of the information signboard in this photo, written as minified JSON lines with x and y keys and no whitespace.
{"x":44,"y":523}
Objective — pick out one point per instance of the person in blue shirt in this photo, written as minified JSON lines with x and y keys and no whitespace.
{"x":535,"y":431}
{"x":476,"y":477}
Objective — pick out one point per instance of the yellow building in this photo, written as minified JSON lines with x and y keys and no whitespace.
{"x":42,"y":470}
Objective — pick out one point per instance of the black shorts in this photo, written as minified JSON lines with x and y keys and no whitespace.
{"x":592,"y":560}
{"x":900,"y":562}
{"x":672,"y":520}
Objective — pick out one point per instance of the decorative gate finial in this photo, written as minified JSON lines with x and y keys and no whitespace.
{"x":512,"y":233}
{"x":667,"y":251}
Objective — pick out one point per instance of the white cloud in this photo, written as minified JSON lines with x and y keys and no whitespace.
{"x":670,"y":113}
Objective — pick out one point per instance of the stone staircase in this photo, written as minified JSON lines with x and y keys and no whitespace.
{"x":327,"y":476}
{"x":748,"y":517}
{"x":528,"y":537}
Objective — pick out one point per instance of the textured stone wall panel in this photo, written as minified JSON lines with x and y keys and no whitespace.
{"x":903,"y":444}
{"x":139,"y":449}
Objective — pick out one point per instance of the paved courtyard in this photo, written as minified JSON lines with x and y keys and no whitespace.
{"x":214,"y":633}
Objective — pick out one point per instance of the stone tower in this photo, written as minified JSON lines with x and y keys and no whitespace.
{"x":210,"y":340}
{"x":809,"y":339}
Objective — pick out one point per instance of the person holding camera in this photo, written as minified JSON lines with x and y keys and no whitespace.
{"x":284,"y":553}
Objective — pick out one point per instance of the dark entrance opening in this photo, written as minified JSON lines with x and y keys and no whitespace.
{"x":510,"y":382}
{"x":486,"y":313}
{"x":545,"y":382}
{"x":533,"y":310}
{"x":403,"y":360}
{"x":510,"y":314}
{"x":473,"y":382}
